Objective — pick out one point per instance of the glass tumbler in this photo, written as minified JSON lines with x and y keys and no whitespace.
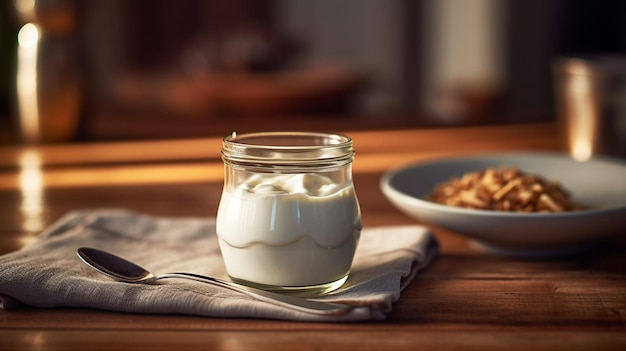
{"x":288,"y":219}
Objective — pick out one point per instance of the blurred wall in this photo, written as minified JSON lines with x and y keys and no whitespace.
{"x":442,"y":61}
{"x":413,"y":51}
{"x":463,"y":68}
{"x":368,"y":34}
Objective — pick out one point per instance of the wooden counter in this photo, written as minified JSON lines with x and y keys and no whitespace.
{"x":466,"y":299}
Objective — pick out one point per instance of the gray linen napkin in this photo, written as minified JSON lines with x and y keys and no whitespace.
{"x":48,"y":272}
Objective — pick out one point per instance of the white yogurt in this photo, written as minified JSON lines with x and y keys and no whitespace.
{"x":289,"y":230}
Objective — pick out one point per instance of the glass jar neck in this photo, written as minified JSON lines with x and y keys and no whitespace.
{"x":287,"y":151}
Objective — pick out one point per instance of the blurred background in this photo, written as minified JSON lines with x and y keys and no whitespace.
{"x":73,"y":71}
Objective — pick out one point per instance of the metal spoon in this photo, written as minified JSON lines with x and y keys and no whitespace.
{"x":125,"y":271}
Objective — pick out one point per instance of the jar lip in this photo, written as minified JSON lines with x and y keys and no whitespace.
{"x":287,"y":149}
{"x":248,"y":140}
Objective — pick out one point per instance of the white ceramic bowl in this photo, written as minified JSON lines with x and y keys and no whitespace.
{"x":599,"y":183}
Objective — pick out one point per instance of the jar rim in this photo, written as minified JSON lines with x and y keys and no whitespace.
{"x":287,"y":149}
{"x":333,"y":139}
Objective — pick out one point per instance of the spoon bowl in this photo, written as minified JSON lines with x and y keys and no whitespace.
{"x":125,"y":271}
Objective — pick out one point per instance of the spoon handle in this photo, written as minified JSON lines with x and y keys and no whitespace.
{"x":292,"y":302}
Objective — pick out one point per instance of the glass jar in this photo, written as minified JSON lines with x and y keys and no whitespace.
{"x":288,"y":218}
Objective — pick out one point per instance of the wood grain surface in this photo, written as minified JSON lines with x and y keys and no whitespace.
{"x":466,"y":300}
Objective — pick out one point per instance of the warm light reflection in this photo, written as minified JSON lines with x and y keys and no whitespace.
{"x":31,"y":186}
{"x":581,"y":149}
{"x":28,"y":42}
{"x":28,"y":36}
{"x":582,"y":115}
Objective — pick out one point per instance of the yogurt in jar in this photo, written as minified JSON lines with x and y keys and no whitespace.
{"x":289,"y":230}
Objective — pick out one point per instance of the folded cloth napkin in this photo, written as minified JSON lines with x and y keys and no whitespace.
{"x":48,"y":273}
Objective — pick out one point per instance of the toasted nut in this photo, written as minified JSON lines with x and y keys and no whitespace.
{"x":504,"y":189}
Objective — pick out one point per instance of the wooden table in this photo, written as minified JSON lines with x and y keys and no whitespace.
{"x":466,"y":299}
